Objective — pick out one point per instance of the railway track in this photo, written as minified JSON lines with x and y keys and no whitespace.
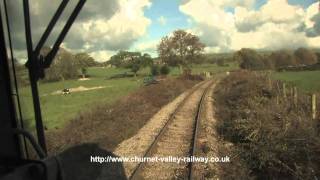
{"x":177,"y":138}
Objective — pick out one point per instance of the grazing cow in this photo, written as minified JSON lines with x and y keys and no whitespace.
{"x":66,"y":91}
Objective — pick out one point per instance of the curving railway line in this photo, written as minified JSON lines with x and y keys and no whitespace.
{"x":177,"y":138}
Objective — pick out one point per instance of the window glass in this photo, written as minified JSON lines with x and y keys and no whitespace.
{"x":12,"y":16}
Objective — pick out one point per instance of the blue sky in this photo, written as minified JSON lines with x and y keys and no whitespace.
{"x":105,"y":27}
{"x":304,"y":3}
{"x":174,"y":18}
{"x":169,"y":9}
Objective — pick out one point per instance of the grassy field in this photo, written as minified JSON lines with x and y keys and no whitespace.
{"x":213,"y":68}
{"x":57,"y":109}
{"x":308,"y":81}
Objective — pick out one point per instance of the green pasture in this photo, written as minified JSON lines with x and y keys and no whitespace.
{"x":57,"y":109}
{"x":308,"y":81}
{"x":200,"y":68}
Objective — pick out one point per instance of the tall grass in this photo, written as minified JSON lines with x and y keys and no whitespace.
{"x":276,"y":139}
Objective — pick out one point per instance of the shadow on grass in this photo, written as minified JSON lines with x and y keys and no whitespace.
{"x":122,"y":75}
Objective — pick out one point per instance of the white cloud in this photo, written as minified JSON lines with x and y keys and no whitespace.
{"x":149,"y":47}
{"x":310,"y":13}
{"x":102,"y":55}
{"x":212,"y":23}
{"x":275,"y":11}
{"x":269,"y":36}
{"x":236,"y":3}
{"x":279,"y":11}
{"x":162,"y":20}
{"x":227,"y":3}
{"x":208,"y":12}
{"x":101,"y":36}
{"x":277,"y":24}
{"x":102,"y":26}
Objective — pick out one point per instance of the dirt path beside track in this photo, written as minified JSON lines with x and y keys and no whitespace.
{"x":137,"y":145}
{"x":176,"y":141}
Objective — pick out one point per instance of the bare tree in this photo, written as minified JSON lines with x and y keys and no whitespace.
{"x":305,"y":56}
{"x":283,"y":58}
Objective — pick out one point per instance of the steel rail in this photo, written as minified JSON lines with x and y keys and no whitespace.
{"x":137,"y":171}
{"x":194,"y":147}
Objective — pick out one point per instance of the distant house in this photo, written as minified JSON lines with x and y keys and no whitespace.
{"x":302,"y":67}
{"x":130,"y":58}
{"x":158,"y":61}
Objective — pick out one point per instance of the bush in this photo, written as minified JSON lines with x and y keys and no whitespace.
{"x":154,"y":70}
{"x":164,"y":70}
{"x":276,"y":140}
{"x":220,"y":62}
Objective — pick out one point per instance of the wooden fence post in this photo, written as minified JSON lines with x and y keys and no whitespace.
{"x":278,"y":88}
{"x":284,"y":90}
{"x":295,"y":96}
{"x":314,"y":106}
{"x":269,"y":83}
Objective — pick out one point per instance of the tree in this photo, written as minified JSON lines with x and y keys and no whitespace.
{"x":146,"y":60}
{"x":134,"y":64}
{"x":250,"y":59}
{"x":180,"y":49}
{"x":283,"y":58}
{"x":318,"y":56}
{"x":84,"y":60}
{"x":117,"y":59}
{"x":122,"y":58}
{"x":63,"y":67}
{"x":154,"y":69}
{"x":84,"y":72}
{"x":305,"y":56}
{"x":164,"y":70}
{"x":166,"y":52}
{"x":131,"y":60}
{"x":135,"y":68}
{"x":268,"y":63}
